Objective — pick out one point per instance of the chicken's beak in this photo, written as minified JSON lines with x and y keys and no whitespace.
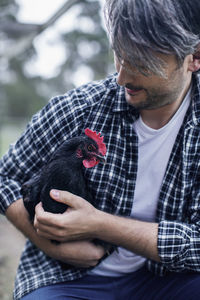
{"x":101,"y":158}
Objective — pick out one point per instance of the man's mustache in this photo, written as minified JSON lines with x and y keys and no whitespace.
{"x":132,"y":87}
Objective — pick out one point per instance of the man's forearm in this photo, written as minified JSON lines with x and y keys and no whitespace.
{"x":136,"y":236}
{"x":18,"y":216}
{"x":81,"y":254}
{"x":83,"y":221}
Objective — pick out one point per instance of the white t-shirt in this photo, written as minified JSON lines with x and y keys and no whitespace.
{"x":154,"y":148}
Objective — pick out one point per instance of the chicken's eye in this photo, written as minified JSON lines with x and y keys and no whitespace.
{"x":90,"y":147}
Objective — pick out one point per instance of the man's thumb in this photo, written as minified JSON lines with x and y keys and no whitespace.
{"x":64,"y":197}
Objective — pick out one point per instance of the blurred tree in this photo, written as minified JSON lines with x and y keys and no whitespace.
{"x":18,"y":95}
{"x":86,"y":47}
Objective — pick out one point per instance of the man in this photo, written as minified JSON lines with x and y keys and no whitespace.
{"x":147,"y":196}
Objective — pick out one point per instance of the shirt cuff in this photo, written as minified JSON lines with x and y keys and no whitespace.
{"x":173,"y":243}
{"x":9,"y":193}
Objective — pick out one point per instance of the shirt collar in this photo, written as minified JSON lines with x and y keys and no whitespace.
{"x":195,"y":112}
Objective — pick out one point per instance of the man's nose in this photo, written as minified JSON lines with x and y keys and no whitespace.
{"x":122,"y":76}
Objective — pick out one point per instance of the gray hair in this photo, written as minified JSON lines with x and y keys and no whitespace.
{"x":139,"y":29}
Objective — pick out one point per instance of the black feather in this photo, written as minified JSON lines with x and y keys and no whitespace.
{"x":64,"y":171}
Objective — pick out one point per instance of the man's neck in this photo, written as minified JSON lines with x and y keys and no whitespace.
{"x":157,"y":118}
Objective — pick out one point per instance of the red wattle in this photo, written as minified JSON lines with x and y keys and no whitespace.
{"x":90,"y":163}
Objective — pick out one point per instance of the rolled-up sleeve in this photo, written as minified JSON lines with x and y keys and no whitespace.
{"x":179,"y":246}
{"x":20,"y":160}
{"x":10,"y":192}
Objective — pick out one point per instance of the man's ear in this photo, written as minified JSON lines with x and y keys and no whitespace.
{"x":194,"y":64}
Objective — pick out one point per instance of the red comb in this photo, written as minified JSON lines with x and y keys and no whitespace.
{"x":98,"y":139}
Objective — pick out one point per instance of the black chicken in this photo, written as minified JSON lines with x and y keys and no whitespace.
{"x":64,"y":171}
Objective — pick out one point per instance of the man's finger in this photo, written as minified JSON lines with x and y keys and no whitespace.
{"x":39,"y":211}
{"x":66,"y":198}
{"x":44,"y":217}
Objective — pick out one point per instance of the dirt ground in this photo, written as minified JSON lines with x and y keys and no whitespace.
{"x":11,"y":245}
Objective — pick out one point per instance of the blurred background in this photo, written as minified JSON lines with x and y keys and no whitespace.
{"x":46,"y":48}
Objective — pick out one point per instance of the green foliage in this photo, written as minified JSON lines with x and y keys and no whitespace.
{"x":88,"y":47}
{"x":23,"y":99}
{"x":85,"y":46}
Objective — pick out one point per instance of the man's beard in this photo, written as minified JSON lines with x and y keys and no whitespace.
{"x":156,"y":100}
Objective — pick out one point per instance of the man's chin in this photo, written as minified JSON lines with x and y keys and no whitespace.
{"x":145,"y":103}
{"x":137,"y":100}
{"x":136,"y":103}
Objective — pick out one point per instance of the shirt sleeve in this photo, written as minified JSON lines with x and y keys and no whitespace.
{"x":14,"y":166}
{"x":179,"y":246}
{"x":60,"y":119}
{"x":179,"y":242}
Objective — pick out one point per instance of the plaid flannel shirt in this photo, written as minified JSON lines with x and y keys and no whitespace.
{"x":101,"y":106}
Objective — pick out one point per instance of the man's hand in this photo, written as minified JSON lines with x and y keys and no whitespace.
{"x":82,"y":221}
{"x":77,"y":223}
{"x":79,"y":254}
{"x":82,"y":254}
